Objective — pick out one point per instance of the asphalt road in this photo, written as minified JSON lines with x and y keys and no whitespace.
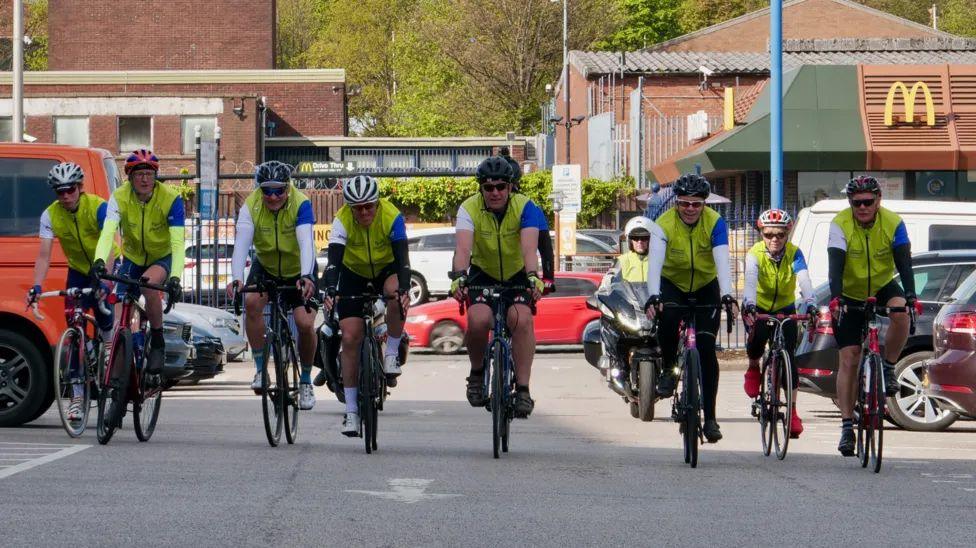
{"x":581,"y":472}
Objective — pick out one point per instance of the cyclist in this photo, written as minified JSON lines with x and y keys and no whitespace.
{"x":277,"y":219}
{"x":774,"y":267}
{"x":368,"y":246}
{"x":545,"y":239}
{"x":689,"y":258}
{"x":497,"y":237}
{"x":151,"y":216}
{"x":866,"y":246}
{"x":75,"y":219}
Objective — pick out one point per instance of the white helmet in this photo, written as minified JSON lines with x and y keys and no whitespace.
{"x":361,"y":189}
{"x":640,"y":224}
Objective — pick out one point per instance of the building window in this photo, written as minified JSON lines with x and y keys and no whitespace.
{"x":208,"y":124}
{"x":135,"y":132}
{"x":6,"y":128}
{"x":71,"y":130}
{"x":813,"y":186}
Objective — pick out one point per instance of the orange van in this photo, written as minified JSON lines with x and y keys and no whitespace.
{"x":26,"y":344}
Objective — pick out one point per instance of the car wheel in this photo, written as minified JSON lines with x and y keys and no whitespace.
{"x":23,"y":380}
{"x":911,"y":409}
{"x":446,"y":338}
{"x":418,"y":290}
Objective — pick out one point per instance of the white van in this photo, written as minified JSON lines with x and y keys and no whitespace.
{"x":931,"y":226}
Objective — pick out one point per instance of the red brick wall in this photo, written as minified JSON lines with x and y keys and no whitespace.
{"x":161,"y":34}
{"x":41,"y":128}
{"x":807,"y":20}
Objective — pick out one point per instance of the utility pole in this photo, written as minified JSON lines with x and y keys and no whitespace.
{"x":566,"y":69}
{"x":934,"y":12}
{"x":776,"y":104}
{"x":18,"y":72}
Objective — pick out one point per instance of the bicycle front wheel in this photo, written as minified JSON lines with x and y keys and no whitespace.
{"x":497,"y":397}
{"x":765,"y":402}
{"x":876,"y":415}
{"x":70,"y":380}
{"x":145,"y":412}
{"x":691,"y":393}
{"x":272,"y":409}
{"x":290,"y":389}
{"x":782,"y":404}
{"x":369,"y":373}
{"x":113,"y":392}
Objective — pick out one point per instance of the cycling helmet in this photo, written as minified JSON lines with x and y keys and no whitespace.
{"x":495,"y":168}
{"x":638,"y":226}
{"x":64,"y":175}
{"x":361,"y":189}
{"x":775,"y":218}
{"x":141,"y":159}
{"x":863,"y":183}
{"x":273,"y":174}
{"x":516,"y":169}
{"x":692,"y":185}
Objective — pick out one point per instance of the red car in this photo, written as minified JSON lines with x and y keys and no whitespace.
{"x":560,"y":317}
{"x":951,"y":378}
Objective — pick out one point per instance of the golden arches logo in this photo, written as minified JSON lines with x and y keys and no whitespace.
{"x":909,"y":100}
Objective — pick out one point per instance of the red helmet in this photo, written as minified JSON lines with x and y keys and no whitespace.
{"x":775,"y":218}
{"x":141,"y":159}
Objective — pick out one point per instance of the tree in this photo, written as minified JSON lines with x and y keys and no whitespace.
{"x":645,"y":22}
{"x":959,"y":17}
{"x":698,"y":14}
{"x":298,"y":23}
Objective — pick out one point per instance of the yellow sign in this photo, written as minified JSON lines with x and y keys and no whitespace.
{"x":728,"y":117}
{"x":567,"y":234}
{"x":909,"y":99}
{"x":322,"y":233}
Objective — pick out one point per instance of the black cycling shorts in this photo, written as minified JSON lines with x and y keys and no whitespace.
{"x":291,"y":299}
{"x":353,"y":285}
{"x":760,"y":332}
{"x":477,"y":277}
{"x":851,"y":328}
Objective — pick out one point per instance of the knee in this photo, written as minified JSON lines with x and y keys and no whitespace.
{"x":899,"y":320}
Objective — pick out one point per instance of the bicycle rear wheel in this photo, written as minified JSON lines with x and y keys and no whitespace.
{"x":69,"y":350}
{"x":782,"y":404}
{"x":272,"y":409}
{"x":113,"y":392}
{"x":290,"y":388}
{"x":146,"y":411}
{"x":877,"y":413}
{"x":497,"y":397}
{"x":691,"y":393}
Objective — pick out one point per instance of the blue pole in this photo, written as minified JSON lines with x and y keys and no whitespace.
{"x":776,"y":103}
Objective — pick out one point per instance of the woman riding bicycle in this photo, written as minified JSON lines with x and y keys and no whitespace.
{"x":689,"y":259}
{"x":773,"y":268}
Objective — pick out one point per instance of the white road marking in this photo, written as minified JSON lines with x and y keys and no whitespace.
{"x":406,"y":490}
{"x":27,"y":464}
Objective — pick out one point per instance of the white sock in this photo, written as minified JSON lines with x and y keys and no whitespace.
{"x":352,"y":394}
{"x":107,"y":335}
{"x":77,"y":390}
{"x":392,"y":345}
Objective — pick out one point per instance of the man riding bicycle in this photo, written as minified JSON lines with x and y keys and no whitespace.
{"x":278,"y":220}
{"x":367,"y":247}
{"x":774,"y":267}
{"x":689,"y":258}
{"x":151,"y":216}
{"x":497,"y":237}
{"x":866,"y":246}
{"x":75,"y":219}
{"x":545,"y":239}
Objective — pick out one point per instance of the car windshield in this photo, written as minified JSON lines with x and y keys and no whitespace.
{"x":966,"y":292}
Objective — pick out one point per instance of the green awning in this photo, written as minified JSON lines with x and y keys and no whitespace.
{"x":822,"y":129}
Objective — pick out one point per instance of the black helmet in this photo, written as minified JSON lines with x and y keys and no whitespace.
{"x":273,"y":173}
{"x":863,"y":183}
{"x":692,"y":184}
{"x":516,"y":169}
{"x":495,"y":168}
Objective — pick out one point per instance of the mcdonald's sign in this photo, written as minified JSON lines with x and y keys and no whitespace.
{"x":909,"y":99}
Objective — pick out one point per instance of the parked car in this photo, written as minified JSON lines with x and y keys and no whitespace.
{"x":608,"y":236}
{"x":950,"y":387}
{"x":26,"y":355}
{"x":561,"y":316}
{"x":215,"y":322}
{"x":222,"y":249}
{"x":932,"y":226}
{"x":177,"y":333}
{"x":937,"y":275}
{"x":599,"y":257}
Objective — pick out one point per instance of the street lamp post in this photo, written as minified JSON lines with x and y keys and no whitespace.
{"x":568,"y":124}
{"x":17,"y":94}
{"x":565,"y":67}
{"x":557,"y":206}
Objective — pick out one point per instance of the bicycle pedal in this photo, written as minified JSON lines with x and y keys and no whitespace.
{"x":755,"y":409}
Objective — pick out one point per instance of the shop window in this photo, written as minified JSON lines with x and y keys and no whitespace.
{"x":208,"y":126}
{"x":6,"y":129}
{"x":71,"y":130}
{"x":892,"y":183}
{"x":813,"y":186}
{"x":135,"y":132}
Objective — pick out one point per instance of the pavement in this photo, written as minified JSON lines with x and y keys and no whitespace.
{"x":581,"y":472}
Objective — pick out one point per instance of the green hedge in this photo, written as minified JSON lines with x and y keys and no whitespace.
{"x":437,"y":199}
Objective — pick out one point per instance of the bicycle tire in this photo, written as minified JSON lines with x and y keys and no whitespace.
{"x":70,"y":344}
{"x":509,"y":389}
{"x":877,"y":413}
{"x":783,"y":405}
{"x":497,"y":398}
{"x":290,"y":388}
{"x":378,"y":386}
{"x":861,"y":409}
{"x":647,"y":371}
{"x":692,"y":391}
{"x":367,"y":396}
{"x":145,"y":412}
{"x":109,"y":394}
{"x":765,"y":403}
{"x":271,"y":409}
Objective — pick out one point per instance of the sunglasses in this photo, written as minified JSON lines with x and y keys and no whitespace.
{"x":64,"y":191}
{"x":867,"y":202}
{"x":497,"y":187}
{"x":640,"y":238}
{"x":270,"y":191}
{"x":690,"y":204}
{"x":363,"y":208}
{"x":774,"y":235}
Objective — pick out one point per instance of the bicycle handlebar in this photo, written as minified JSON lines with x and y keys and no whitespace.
{"x":780,"y":318}
{"x":493,"y":291}
{"x":263,"y":288}
{"x":74,"y":293}
{"x":729,"y":319}
{"x":871,"y":304}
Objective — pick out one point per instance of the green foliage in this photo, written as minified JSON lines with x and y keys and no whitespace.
{"x":959,"y":17}
{"x":698,"y":14}
{"x":645,"y":22}
{"x":35,"y":26}
{"x":437,"y":199}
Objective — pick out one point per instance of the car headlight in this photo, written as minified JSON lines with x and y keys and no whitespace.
{"x":419,"y":318}
{"x":226,"y":323}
